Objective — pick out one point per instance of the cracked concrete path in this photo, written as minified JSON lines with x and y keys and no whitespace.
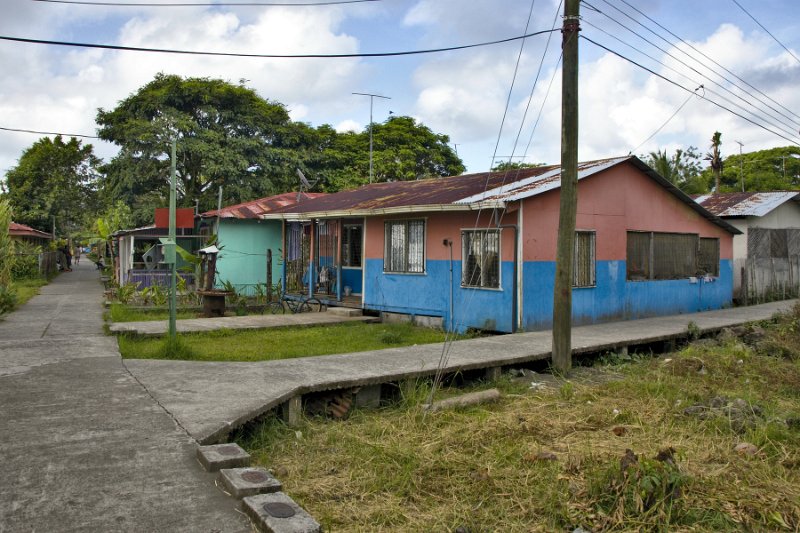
{"x":84,"y":446}
{"x":211,"y":399}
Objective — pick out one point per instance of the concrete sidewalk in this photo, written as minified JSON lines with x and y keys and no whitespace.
{"x":84,"y":446}
{"x":193,"y":325}
{"x":211,"y":399}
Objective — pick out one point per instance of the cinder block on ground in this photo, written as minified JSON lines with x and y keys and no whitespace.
{"x":493,"y":373}
{"x":242,"y":482}
{"x":278,"y":513}
{"x":345,"y":311}
{"x":218,"y":456}
{"x":369,"y":397}
{"x":435,"y":322}
{"x":292,"y":411}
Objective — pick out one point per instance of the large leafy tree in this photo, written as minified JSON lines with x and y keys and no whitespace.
{"x":403,"y":150}
{"x":773,"y":169}
{"x":226,"y":135}
{"x":54,"y":179}
{"x":682,"y":168}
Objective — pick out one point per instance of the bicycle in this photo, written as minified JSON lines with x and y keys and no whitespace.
{"x":295,"y":305}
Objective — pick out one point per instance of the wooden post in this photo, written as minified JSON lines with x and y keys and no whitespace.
{"x":565,"y":251}
{"x":269,"y":275}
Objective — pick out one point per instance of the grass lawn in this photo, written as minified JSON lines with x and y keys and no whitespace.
{"x":27,"y":289}
{"x":281,"y":343}
{"x":653,"y":449}
{"x":122,"y":313}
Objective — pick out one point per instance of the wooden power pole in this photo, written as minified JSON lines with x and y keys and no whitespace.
{"x":565,"y":250}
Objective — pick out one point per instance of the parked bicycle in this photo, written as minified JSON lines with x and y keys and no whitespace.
{"x":298,"y":304}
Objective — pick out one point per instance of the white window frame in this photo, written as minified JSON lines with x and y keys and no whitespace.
{"x":387,"y":224}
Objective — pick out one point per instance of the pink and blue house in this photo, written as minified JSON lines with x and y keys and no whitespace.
{"x":478,"y":250}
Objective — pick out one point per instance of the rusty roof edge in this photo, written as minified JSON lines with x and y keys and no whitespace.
{"x":489,"y":204}
{"x":682,"y":196}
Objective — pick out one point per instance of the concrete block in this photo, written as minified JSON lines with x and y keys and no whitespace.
{"x":218,"y":456}
{"x":242,"y":482}
{"x":369,"y":397}
{"x":345,"y":311}
{"x":493,"y":373}
{"x":278,"y":513}
{"x":395,"y":318}
{"x":292,"y":411}
{"x":435,"y":322}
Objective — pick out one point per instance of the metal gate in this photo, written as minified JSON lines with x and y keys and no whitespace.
{"x":326,"y":257}
{"x":298,"y":246}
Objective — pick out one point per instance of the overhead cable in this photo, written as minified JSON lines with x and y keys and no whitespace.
{"x":269,"y":56}
{"x":654,"y":73}
{"x":786,"y":127}
{"x":781,"y":118}
{"x":690,"y":45}
{"x":661,"y":127}
{"x":766,"y":30}
{"x":19,"y":130}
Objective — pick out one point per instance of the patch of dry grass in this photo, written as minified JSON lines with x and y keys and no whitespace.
{"x":489,"y":468}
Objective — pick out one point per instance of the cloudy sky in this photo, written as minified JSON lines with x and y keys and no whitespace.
{"x":460,"y":93}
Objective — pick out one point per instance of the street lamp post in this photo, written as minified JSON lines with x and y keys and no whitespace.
{"x":371,"y":98}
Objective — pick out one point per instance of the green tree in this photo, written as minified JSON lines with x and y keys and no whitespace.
{"x":773,"y":169}
{"x":514,"y":165}
{"x":715,"y":159}
{"x":682,"y":168}
{"x":54,"y":179}
{"x":7,"y":258}
{"x":226,"y":135}
{"x":117,"y":217}
{"x":403,"y":150}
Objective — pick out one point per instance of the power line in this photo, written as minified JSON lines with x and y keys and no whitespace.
{"x":19,"y":130}
{"x":270,"y":56}
{"x":654,"y":73}
{"x":661,"y":127}
{"x":780,"y":118}
{"x":773,"y":121}
{"x":680,"y":39}
{"x":766,"y":30}
{"x":206,"y":4}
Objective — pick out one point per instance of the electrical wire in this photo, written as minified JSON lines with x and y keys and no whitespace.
{"x":690,"y":45}
{"x":780,"y":118}
{"x":206,"y":4}
{"x":661,"y":127}
{"x":654,"y":73}
{"x":49,"y":133}
{"x":270,"y":56}
{"x":766,"y":30}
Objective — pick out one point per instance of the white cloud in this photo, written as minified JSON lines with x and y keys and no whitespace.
{"x":348,"y":125}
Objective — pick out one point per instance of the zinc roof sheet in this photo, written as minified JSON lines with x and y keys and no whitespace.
{"x":21,"y":230}
{"x":256,"y":208}
{"x":741,"y":204}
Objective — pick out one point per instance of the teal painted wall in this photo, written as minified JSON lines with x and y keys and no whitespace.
{"x":243,"y":259}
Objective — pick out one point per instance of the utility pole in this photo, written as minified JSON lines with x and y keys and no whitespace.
{"x":741,"y":164}
{"x":173,"y":286}
{"x":371,"y":98}
{"x":565,"y":249}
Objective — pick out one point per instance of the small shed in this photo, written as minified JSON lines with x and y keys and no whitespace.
{"x":23,"y":233}
{"x":768,"y":248}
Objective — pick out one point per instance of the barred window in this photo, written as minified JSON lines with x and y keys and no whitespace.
{"x":659,"y":256}
{"x":480,"y":258}
{"x":708,"y":256}
{"x":584,"y":262}
{"x":351,"y":245}
{"x":404,"y":249}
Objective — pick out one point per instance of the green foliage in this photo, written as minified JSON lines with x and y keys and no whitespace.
{"x":8,"y":299}
{"x":774,"y":169}
{"x":154,"y":294}
{"x":681,"y":169}
{"x":54,"y":179}
{"x":7,"y":257}
{"x":514,"y":165}
{"x":26,"y":262}
{"x":126,"y":292}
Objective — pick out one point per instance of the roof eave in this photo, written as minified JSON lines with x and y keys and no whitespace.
{"x":383,"y":211}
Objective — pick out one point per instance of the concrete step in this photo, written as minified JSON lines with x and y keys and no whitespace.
{"x":345,"y":311}
{"x":278,"y":513}
{"x":243,"y":482}
{"x":218,"y":456}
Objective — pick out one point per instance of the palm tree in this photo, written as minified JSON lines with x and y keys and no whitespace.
{"x":715,"y":157}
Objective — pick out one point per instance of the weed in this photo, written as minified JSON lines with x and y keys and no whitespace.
{"x":176,"y":348}
{"x":693,"y":330}
{"x":566,"y":391}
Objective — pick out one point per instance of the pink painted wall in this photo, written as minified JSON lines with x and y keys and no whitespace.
{"x":613,"y":202}
{"x":441,"y":226}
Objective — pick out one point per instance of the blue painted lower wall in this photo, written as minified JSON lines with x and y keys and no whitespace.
{"x":613,"y":297}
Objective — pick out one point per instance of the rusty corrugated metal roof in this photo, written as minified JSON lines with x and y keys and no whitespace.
{"x":256,"y":208}
{"x":21,"y":230}
{"x":742,"y":204}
